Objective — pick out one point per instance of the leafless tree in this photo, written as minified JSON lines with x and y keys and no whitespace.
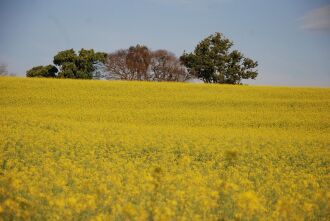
{"x":117,"y":66}
{"x":166,"y":67}
{"x":4,"y":71}
{"x":139,"y":63}
{"x":129,"y":64}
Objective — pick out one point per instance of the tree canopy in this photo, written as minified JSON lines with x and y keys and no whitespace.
{"x":42,"y":71}
{"x":213,"y":62}
{"x":70,"y":65}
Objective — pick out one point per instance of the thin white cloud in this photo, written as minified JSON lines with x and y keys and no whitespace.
{"x":317,"y":19}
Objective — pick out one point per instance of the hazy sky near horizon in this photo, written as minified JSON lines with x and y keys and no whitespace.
{"x":289,"y":39}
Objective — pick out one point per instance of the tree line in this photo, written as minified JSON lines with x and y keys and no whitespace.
{"x":212,"y":61}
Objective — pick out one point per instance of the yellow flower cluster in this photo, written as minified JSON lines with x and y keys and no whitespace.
{"x":96,"y":150}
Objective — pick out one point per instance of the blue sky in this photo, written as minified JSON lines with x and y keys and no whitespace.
{"x":289,"y":39}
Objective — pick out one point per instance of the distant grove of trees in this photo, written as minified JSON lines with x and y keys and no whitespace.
{"x":212,"y":61}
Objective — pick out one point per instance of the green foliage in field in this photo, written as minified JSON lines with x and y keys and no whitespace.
{"x":95,"y":150}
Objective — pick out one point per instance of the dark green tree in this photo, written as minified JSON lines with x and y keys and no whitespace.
{"x":213,"y":62}
{"x":48,"y":71}
{"x":78,"y":66}
{"x":72,"y":65}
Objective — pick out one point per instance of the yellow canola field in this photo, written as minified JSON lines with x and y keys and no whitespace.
{"x":114,"y":150}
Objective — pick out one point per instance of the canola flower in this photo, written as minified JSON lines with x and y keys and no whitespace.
{"x":94,"y":150}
